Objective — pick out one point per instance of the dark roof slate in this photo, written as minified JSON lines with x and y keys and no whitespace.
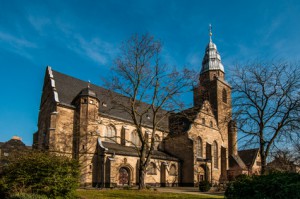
{"x":236,"y":161}
{"x":248,"y":156}
{"x":68,"y":88}
{"x":118,"y":149}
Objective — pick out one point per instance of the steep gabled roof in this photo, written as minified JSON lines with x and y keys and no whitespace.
{"x":236,"y":161}
{"x":68,"y":88}
{"x":248,"y":156}
{"x":181,"y":122}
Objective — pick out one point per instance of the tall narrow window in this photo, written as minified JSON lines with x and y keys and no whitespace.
{"x":123,"y":140}
{"x":208,"y":151}
{"x":199,"y":147}
{"x":110,"y":134}
{"x":215,"y":152}
{"x":224,"y":95}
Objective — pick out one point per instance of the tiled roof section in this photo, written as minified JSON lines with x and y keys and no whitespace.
{"x":248,"y":156}
{"x":69,"y":88}
{"x":118,"y":149}
{"x":1,"y":143}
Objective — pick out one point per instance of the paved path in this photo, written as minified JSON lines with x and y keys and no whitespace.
{"x":187,"y":190}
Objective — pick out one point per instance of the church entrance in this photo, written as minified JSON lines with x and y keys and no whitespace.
{"x":124,"y":176}
{"x":203,"y":172}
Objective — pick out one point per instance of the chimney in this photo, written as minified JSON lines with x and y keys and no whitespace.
{"x":232,"y":138}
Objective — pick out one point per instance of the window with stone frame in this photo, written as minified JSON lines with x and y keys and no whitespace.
{"x":258,"y":163}
{"x":156,"y":141}
{"x":151,"y":169}
{"x":203,"y":121}
{"x":215,"y":152}
{"x":110,"y":134}
{"x":172,"y":171}
{"x":211,"y":124}
{"x":134,"y":138}
{"x":224,"y":95}
{"x":199,"y":147}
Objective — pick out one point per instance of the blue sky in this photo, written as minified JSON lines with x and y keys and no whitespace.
{"x":81,"y":38}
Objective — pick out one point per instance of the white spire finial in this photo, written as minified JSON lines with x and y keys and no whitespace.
{"x":210,"y":33}
{"x":89,"y":82}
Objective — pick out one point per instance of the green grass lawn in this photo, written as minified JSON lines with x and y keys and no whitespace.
{"x":136,"y":194}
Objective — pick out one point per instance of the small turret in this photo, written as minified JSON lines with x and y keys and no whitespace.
{"x":87,"y":92}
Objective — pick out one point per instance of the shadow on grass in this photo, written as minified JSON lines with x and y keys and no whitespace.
{"x":136,"y":194}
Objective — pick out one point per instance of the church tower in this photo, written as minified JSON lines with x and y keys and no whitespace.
{"x":213,"y":87}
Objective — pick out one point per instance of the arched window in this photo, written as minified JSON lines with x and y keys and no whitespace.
{"x":134,"y":138}
{"x":156,"y":141}
{"x":224,"y":95}
{"x":110,"y":134}
{"x":211,"y":124}
{"x":199,"y":147}
{"x":172,"y":171}
{"x":215,"y":152}
{"x":203,"y":121}
{"x":151,"y":170}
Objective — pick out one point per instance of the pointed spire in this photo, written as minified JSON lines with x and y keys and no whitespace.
{"x":210,"y":33}
{"x":89,"y":82}
{"x":212,"y":58}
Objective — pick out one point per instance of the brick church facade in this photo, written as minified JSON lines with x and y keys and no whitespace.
{"x":76,"y":119}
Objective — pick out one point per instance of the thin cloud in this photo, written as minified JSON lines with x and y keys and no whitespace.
{"x":97,"y":50}
{"x":39,"y":23}
{"x":15,"y":41}
{"x":16,"y":45}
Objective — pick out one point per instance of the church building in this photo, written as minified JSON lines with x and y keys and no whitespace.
{"x":76,"y":119}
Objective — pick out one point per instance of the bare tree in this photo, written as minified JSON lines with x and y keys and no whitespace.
{"x":149,"y":92}
{"x":266,"y":104}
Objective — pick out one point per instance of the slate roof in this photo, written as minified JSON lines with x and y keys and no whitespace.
{"x":68,"y":88}
{"x":236,"y":161}
{"x":248,"y":156}
{"x":118,"y":149}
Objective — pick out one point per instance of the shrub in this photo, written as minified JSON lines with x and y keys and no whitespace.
{"x":40,"y":173}
{"x":28,"y":196}
{"x":204,"y":186}
{"x":274,"y":185}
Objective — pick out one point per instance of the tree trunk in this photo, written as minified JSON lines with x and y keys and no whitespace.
{"x":141,"y":177}
{"x":263,"y":163}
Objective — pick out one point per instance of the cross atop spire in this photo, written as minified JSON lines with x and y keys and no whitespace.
{"x":210,"y":33}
